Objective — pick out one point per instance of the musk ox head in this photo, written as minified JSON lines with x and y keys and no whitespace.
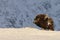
{"x":43,"y":21}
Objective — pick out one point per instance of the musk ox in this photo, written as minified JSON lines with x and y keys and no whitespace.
{"x":44,"y":21}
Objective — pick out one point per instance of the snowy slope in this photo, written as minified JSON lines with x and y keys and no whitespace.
{"x":21,"y":13}
{"x":28,"y":34}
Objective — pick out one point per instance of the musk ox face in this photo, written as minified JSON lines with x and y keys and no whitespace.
{"x":43,"y":21}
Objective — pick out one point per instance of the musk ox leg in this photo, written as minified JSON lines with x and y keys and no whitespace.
{"x":50,"y":27}
{"x":50,"y":24}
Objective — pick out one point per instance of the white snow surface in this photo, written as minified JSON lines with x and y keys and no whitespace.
{"x":28,"y":34}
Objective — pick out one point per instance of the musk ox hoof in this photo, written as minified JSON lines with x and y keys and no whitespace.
{"x":44,"y":21}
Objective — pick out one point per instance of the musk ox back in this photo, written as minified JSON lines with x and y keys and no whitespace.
{"x":45,"y":22}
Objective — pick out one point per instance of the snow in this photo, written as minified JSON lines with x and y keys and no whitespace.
{"x":21,"y":13}
{"x":28,"y":34}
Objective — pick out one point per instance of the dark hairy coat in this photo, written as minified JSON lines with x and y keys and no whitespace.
{"x":44,"y":21}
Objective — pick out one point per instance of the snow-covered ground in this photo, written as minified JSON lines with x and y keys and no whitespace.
{"x":21,"y":13}
{"x":28,"y":34}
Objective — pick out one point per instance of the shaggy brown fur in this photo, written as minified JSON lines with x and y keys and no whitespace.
{"x":45,"y":22}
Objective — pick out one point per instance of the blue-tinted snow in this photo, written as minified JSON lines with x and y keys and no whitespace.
{"x":21,"y":13}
